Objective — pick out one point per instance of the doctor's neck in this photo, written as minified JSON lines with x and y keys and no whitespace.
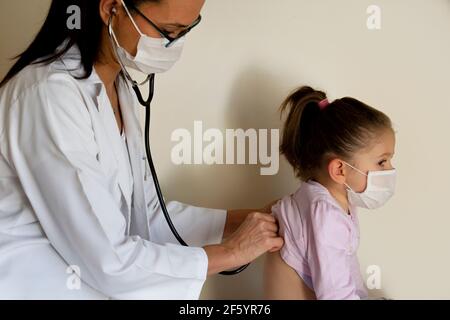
{"x":106,"y":64}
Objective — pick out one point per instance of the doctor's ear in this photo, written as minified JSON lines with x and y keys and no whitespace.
{"x":108,"y":8}
{"x":337,"y":171}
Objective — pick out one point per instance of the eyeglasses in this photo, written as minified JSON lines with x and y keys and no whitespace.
{"x":164,"y":34}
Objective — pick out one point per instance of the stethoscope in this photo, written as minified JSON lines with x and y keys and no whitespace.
{"x":147,"y":105}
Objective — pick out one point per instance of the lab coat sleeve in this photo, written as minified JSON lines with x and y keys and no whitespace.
{"x":54,"y":153}
{"x":328,"y":256}
{"x":197,"y":226}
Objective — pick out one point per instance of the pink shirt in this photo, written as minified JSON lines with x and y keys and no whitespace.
{"x":321,"y":242}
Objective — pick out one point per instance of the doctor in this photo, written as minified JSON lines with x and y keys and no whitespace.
{"x":79,"y":216}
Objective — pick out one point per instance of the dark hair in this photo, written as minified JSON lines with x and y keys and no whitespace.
{"x":312,"y":135}
{"x":54,"y":32}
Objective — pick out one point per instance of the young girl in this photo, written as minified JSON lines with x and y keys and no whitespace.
{"x":342,"y":152}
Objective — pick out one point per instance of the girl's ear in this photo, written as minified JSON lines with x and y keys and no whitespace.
{"x":337,"y":171}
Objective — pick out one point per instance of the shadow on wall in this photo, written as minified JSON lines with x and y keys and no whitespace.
{"x":254,"y":101}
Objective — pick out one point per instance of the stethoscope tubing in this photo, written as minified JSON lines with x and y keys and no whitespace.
{"x":147,"y":105}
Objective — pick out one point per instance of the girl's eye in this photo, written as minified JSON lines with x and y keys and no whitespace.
{"x":382,"y":162}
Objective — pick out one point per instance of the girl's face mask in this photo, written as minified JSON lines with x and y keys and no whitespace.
{"x":152,"y":56}
{"x":380,"y":188}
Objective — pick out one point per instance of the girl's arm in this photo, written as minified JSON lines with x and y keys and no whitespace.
{"x":281,"y":282}
{"x":329,"y":256}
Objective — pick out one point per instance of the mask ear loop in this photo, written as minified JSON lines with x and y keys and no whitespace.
{"x":348,"y":164}
{"x":131,"y":18}
{"x":115,"y":45}
{"x":357,"y":170}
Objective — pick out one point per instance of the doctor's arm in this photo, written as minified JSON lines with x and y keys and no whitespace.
{"x":256,"y":235}
{"x":197,"y":226}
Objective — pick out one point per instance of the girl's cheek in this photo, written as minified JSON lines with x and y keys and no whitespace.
{"x":359,"y":183}
{"x":363,"y":184}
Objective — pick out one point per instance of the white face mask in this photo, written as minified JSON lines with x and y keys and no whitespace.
{"x":380,"y":188}
{"x":152,"y":55}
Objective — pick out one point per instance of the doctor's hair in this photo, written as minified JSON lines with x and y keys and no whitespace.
{"x":55,"y":31}
{"x":314,"y":134}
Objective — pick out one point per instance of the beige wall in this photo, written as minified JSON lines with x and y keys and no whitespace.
{"x":235,"y":77}
{"x":21,"y":20}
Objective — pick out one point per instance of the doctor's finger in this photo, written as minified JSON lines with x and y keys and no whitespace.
{"x":275,"y":244}
{"x":269,"y":226}
{"x":270,"y":235}
{"x":263,"y":216}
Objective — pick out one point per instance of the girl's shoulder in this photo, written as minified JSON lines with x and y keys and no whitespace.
{"x":303,"y":203}
{"x":311,"y":211}
{"x":317,"y":206}
{"x":326,"y":218}
{"x":312,"y":193}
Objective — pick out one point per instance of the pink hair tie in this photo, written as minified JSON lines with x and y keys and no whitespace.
{"x":323,"y":104}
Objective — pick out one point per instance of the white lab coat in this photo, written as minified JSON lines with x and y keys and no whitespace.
{"x":64,"y":201}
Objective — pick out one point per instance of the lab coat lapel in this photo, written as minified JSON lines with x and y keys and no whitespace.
{"x":71,"y":61}
{"x":102,"y":100}
{"x":139,"y":223}
{"x":136,"y":214}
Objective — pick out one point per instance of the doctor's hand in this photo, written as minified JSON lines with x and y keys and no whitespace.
{"x":236,"y":217}
{"x":254,"y":237}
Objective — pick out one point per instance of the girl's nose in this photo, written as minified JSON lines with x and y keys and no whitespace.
{"x":389,"y":166}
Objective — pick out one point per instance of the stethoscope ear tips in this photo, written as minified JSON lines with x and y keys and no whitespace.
{"x":113,"y":11}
